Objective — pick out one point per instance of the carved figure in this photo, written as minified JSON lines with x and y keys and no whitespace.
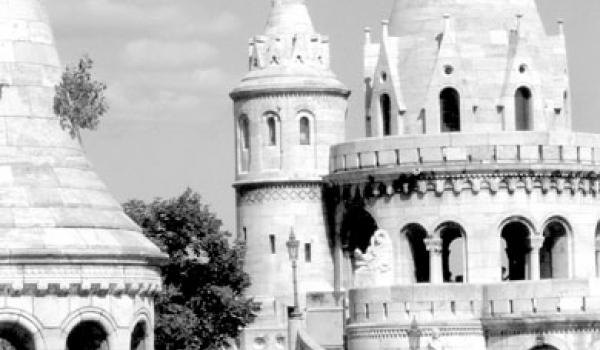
{"x":436,"y":342}
{"x":374,"y":268}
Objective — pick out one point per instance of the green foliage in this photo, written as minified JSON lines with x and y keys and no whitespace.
{"x":79,"y":101}
{"x":203,"y":304}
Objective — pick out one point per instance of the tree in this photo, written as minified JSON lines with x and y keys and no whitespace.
{"x":79,"y":101}
{"x":203,"y":304}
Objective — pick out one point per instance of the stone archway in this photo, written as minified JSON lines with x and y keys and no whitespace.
{"x":139,"y":336}
{"x":15,"y":337}
{"x":88,"y":335}
{"x":516,"y":239}
{"x":544,"y":347}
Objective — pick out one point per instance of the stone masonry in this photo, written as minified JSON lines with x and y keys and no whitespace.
{"x":467,"y":218}
{"x":71,"y":261}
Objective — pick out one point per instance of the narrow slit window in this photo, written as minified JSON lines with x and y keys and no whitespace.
{"x":244,"y":133}
{"x":308,"y":252}
{"x":245,"y":234}
{"x":386,"y":114}
{"x":272,"y":128}
{"x":304,"y":131}
{"x":272,"y":242}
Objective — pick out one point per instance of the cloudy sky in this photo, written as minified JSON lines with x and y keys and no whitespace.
{"x":170,"y":64}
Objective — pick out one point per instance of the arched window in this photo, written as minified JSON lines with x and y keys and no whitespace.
{"x":523,"y":111}
{"x":454,"y":265}
{"x":244,"y":126}
{"x":272,"y":130}
{"x":357,"y":229}
{"x":15,"y":337}
{"x":544,"y":347}
{"x":139,"y":337}
{"x":554,"y":254}
{"x":597,"y":250}
{"x":566,"y":103}
{"x":386,"y":114}
{"x":416,"y":235}
{"x":450,"y":110}
{"x":305,"y":131}
{"x":87,"y":335}
{"x":517,"y":248}
{"x":244,"y":143}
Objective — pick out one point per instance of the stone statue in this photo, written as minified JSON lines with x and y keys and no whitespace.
{"x":436,"y":342}
{"x":374,"y":268}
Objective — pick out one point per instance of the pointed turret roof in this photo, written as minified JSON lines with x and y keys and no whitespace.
{"x":290,"y":55}
{"x":53,"y":206}
{"x":289,"y":16}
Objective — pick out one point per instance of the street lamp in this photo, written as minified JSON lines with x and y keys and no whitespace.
{"x":292,"y":245}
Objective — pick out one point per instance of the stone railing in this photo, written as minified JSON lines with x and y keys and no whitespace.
{"x":305,"y":342}
{"x":449,"y":150}
{"x":520,"y":299}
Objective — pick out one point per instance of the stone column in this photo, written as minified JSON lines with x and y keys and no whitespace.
{"x":434,"y":247}
{"x":536,"y":243}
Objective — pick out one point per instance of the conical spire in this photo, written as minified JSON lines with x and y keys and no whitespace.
{"x":289,"y":17}
{"x":53,"y":205}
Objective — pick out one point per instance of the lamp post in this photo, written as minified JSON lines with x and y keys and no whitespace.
{"x":295,"y":317}
{"x":292,"y":245}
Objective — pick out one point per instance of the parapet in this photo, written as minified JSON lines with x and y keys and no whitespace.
{"x":524,"y":150}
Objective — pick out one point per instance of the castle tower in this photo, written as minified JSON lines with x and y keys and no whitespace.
{"x":74,"y":268}
{"x":289,"y":109}
{"x":470,"y":216}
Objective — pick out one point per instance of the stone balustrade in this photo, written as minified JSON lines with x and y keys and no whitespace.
{"x":469,"y":302}
{"x":468,"y":149}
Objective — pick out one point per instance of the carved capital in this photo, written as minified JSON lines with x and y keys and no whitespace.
{"x":433,"y":244}
{"x":536,"y":242}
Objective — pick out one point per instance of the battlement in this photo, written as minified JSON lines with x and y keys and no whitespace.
{"x":468,"y":151}
{"x":437,"y":303}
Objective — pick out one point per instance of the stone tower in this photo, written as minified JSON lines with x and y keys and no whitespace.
{"x":75,"y":270}
{"x":470,"y":215}
{"x":289,"y":109}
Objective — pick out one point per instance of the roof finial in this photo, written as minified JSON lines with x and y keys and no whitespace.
{"x":368,"y":35}
{"x":446,"y":22}
{"x":519,"y":17}
{"x":561,"y":27}
{"x":385,"y":28}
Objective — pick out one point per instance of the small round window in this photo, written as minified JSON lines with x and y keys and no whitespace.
{"x":448,"y":69}
{"x":523,"y":68}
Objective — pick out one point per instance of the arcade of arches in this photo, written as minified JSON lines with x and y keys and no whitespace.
{"x":87,"y":335}
{"x":441,"y":256}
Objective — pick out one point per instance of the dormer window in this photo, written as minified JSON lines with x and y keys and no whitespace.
{"x":523,"y":113}
{"x":450,"y":110}
{"x":386,"y":114}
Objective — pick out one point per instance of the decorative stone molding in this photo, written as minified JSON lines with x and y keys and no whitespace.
{"x":311,"y":192}
{"x":65,"y":280}
{"x":439,"y":183}
{"x":384,"y":332}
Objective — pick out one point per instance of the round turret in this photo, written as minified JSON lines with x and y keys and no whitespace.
{"x":69,"y":254}
{"x":469,"y":217}
{"x":289,"y":109}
